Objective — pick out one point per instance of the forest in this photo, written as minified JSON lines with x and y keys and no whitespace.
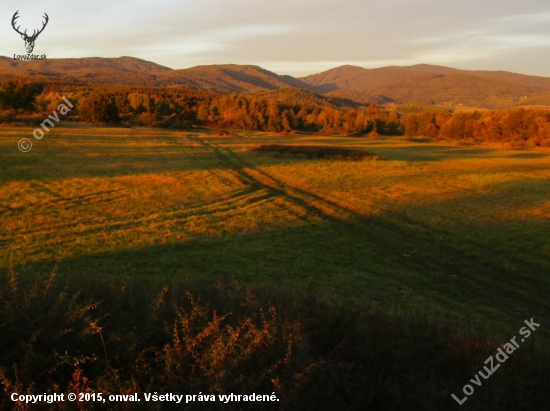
{"x":521,"y":128}
{"x":283,"y":110}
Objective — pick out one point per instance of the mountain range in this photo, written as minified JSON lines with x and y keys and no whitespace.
{"x":426,"y":84}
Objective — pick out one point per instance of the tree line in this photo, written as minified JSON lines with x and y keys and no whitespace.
{"x":283,"y":110}
{"x":519,"y":127}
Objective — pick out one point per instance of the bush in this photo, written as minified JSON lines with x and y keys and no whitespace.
{"x":314,"y":152}
{"x":90,"y":336}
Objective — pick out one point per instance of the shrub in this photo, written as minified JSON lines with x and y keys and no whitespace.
{"x":83,"y":335}
{"x":314,"y":152}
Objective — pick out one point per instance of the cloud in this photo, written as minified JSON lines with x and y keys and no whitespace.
{"x":295,"y":37}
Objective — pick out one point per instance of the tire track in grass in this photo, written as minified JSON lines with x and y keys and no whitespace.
{"x":242,"y":199}
{"x":382,"y":235}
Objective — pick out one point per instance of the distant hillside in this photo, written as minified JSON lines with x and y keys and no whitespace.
{"x":355,"y":78}
{"x":230,"y":78}
{"x":432,"y":88}
{"x":227,"y":78}
{"x":293,"y":97}
{"x":430,"y":84}
{"x":421,"y":83}
{"x":530,"y":81}
{"x":123,"y":70}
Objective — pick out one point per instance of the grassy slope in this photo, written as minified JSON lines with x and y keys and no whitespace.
{"x":455,"y":233}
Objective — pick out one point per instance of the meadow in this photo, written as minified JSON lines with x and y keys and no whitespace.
{"x":448,"y":234}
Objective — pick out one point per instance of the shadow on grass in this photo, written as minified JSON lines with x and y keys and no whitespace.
{"x":431,"y":153}
{"x":89,"y":335}
{"x":378,"y":361}
{"x":114,"y":155}
{"x":56,"y":161}
{"x":380,"y":262}
{"x":529,"y":155}
{"x":352,"y":257}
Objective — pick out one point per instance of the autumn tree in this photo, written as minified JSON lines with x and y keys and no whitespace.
{"x":99,"y":107}
{"x":140,"y":102}
{"x":351,"y":120}
{"x":410,"y":125}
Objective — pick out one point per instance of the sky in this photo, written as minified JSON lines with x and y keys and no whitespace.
{"x":298,"y":37}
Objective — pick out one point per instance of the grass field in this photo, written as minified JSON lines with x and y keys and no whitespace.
{"x":460,"y":233}
{"x":421,"y":248}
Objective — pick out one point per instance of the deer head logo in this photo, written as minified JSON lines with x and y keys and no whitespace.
{"x":29,"y":40}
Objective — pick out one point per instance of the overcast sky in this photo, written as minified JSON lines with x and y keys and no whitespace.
{"x":297,"y":37}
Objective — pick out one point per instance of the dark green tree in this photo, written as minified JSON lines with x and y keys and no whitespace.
{"x":16,"y":95}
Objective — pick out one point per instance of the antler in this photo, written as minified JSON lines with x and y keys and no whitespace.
{"x":34,"y":34}
{"x":15,"y":17}
{"x":43,"y":27}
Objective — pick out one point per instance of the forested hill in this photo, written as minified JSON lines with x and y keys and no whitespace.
{"x":122,"y":70}
{"x":415,"y":84}
{"x":226,"y":78}
{"x":230,"y":78}
{"x":432,"y":84}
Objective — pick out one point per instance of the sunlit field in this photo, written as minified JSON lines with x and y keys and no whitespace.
{"x":423,"y":247}
{"x":449,"y":231}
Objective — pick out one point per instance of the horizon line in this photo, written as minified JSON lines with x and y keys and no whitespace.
{"x":257,"y":65}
